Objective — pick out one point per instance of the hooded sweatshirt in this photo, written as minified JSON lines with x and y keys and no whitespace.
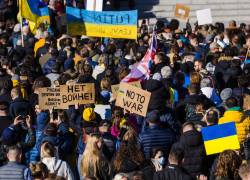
{"x":59,"y":167}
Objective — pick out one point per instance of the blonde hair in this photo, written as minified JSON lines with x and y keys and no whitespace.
{"x":105,"y":84}
{"x":101,"y":59}
{"x":47,"y":150}
{"x":91,"y":156}
{"x":195,"y":78}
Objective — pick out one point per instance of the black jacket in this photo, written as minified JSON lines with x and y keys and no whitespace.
{"x":159,"y":94}
{"x":194,"y":158}
{"x":19,"y":106}
{"x":172,"y":172}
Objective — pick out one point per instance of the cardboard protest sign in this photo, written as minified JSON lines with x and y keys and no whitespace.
{"x":246,"y":102}
{"x":220,"y":137}
{"x":182,"y":11}
{"x":133,"y":99}
{"x":204,"y":16}
{"x":113,"y":24}
{"x":115,"y":88}
{"x":78,"y":94}
{"x":50,"y":98}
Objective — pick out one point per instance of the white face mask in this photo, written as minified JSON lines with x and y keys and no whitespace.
{"x":161,"y":161}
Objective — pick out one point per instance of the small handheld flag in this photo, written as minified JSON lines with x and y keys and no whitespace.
{"x":220,"y":137}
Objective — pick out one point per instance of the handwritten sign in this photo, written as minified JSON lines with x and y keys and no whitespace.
{"x":133,"y":99}
{"x":115,"y":88}
{"x":182,"y":11}
{"x":204,"y":16}
{"x":78,"y":94}
{"x":49,"y":98}
{"x":114,"y":24}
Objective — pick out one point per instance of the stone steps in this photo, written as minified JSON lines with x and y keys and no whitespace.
{"x":222,"y":10}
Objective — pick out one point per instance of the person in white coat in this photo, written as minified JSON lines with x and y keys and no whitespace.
{"x":54,"y":164}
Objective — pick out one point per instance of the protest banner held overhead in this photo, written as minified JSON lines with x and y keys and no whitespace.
{"x":182,"y":11}
{"x":113,"y":24}
{"x":133,"y":99}
{"x":221,"y":137}
{"x":50,"y":98}
{"x":78,"y":94}
{"x":204,"y":17}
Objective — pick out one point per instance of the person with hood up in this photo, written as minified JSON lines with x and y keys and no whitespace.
{"x":235,"y":114}
{"x":55,"y":165}
{"x":208,"y":90}
{"x":194,"y":152}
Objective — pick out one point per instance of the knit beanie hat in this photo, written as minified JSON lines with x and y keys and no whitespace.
{"x":88,"y":114}
{"x":226,"y":93}
{"x":206,"y":82}
{"x":166,"y":72}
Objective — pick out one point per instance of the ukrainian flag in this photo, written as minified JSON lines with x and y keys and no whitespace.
{"x":113,"y":24}
{"x":220,"y":137}
{"x":29,"y":9}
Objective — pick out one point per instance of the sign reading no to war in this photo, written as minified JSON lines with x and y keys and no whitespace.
{"x":115,"y":88}
{"x":113,"y":24}
{"x":78,"y":94}
{"x":49,"y":98}
{"x":133,"y":99}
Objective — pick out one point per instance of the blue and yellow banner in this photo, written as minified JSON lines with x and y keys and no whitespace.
{"x":113,"y":24}
{"x":220,"y":137}
{"x":30,"y":10}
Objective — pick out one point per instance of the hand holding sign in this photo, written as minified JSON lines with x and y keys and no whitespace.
{"x":133,"y":99}
{"x":182,"y":11}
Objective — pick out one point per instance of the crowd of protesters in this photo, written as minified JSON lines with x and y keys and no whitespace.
{"x":200,"y":77}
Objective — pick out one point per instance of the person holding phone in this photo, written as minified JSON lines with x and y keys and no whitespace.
{"x":17,"y":134}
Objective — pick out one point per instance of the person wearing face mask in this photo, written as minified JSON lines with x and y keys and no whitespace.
{"x":174,"y":169}
{"x":157,"y":159}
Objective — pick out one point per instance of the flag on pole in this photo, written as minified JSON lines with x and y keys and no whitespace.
{"x":29,"y":9}
{"x":142,"y":70}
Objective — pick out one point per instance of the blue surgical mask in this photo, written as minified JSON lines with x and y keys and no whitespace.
{"x":161,"y":161}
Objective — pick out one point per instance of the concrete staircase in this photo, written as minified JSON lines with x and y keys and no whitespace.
{"x":222,"y":10}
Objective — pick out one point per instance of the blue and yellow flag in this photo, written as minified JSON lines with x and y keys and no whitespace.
{"x":29,"y":9}
{"x":113,"y":24}
{"x":220,"y":137}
